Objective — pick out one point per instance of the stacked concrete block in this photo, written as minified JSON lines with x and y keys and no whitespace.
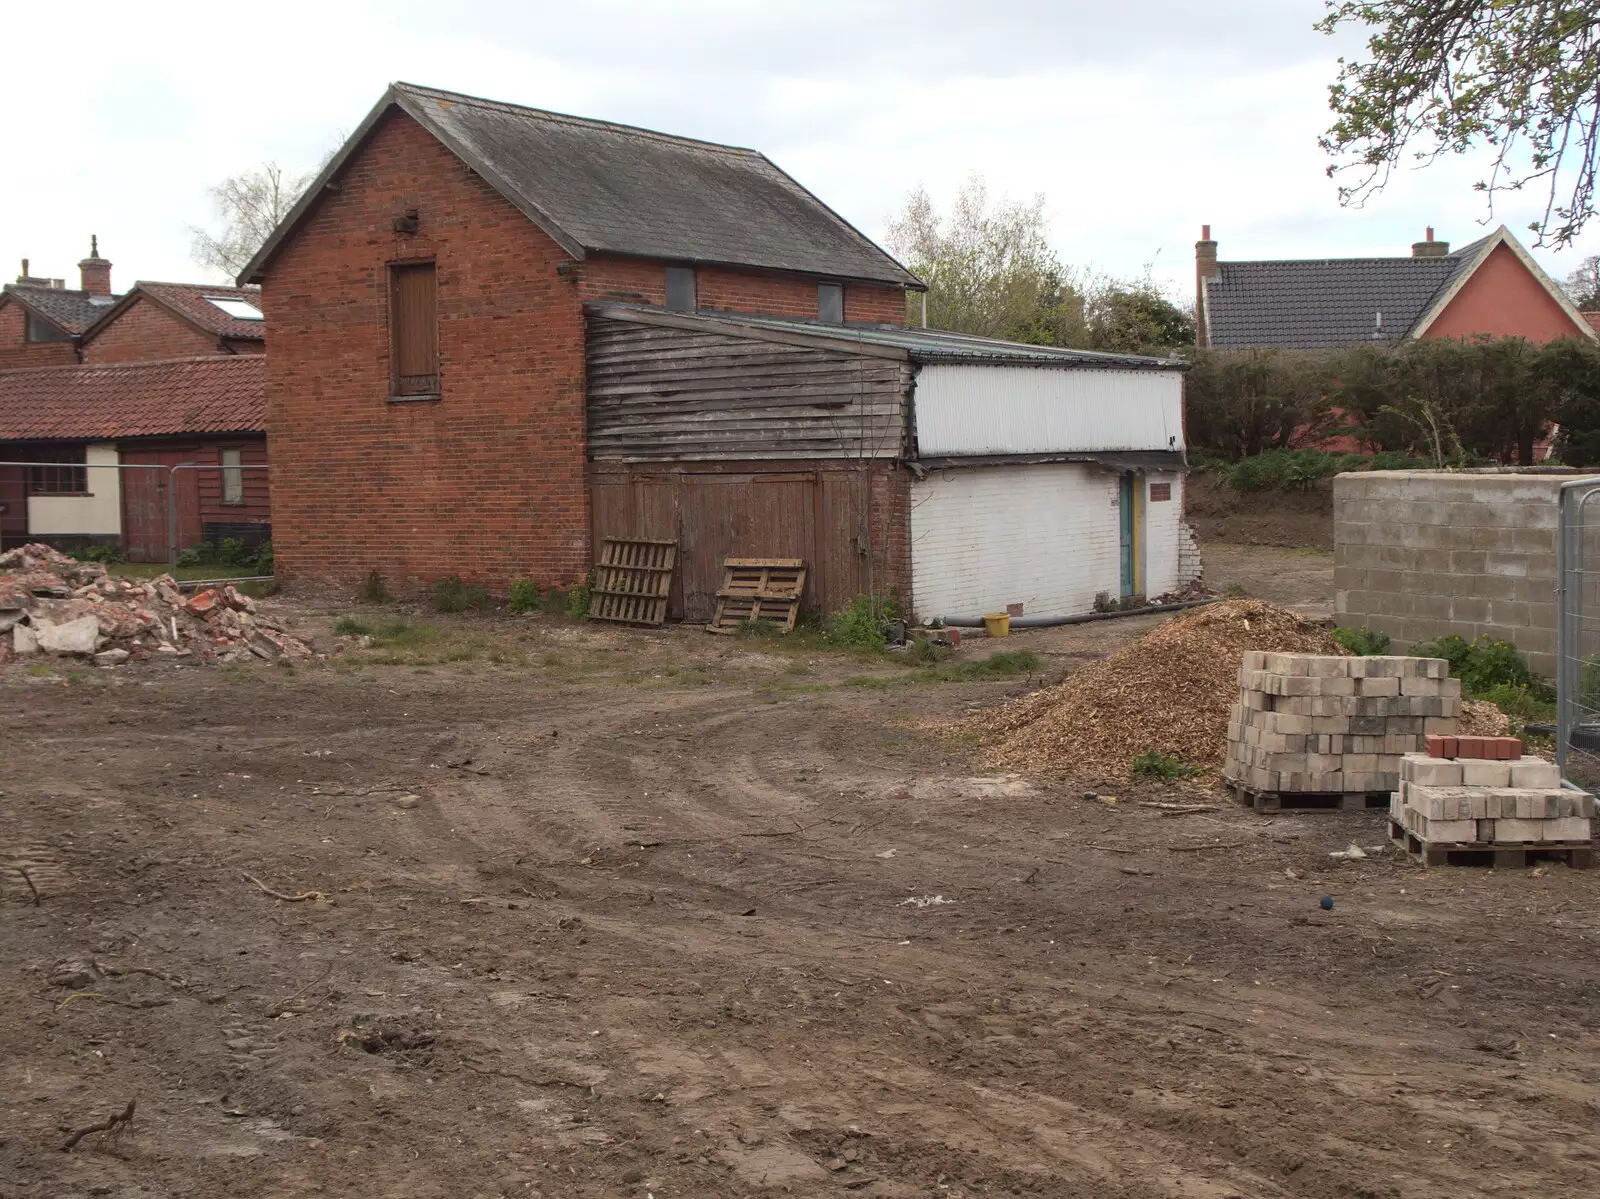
{"x":1311,"y":723}
{"x":1488,"y":802}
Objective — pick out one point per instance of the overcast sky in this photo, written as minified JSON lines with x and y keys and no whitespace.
{"x":1138,"y":119}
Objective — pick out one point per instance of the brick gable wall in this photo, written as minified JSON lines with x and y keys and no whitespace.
{"x":17,"y":352}
{"x":487,"y":482}
{"x":147,"y":332}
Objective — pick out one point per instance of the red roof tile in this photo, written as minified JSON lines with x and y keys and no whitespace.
{"x":190,"y":300}
{"x":134,"y":399}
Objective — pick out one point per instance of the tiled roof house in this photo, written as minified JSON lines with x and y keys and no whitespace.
{"x":1491,"y":287}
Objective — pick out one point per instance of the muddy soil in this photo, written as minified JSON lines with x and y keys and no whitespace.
{"x":566,"y":911}
{"x":1289,"y":519}
{"x":1301,"y":579}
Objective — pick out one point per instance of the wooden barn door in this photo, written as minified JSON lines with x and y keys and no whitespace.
{"x":145,"y":504}
{"x":740,"y":516}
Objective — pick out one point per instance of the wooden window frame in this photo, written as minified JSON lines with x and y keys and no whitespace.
{"x":47,"y":478}
{"x":830,"y":290}
{"x":231,"y":473}
{"x":418,"y":386}
{"x":682,"y":274}
{"x":39,"y":332}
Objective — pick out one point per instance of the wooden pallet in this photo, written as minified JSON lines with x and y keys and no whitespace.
{"x":759,"y":589}
{"x":1306,"y":801}
{"x":1579,"y":855}
{"x":632,"y":580}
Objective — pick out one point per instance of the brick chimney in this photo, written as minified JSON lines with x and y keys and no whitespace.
{"x":1205,"y":267}
{"x":95,"y":271}
{"x":1429,"y":248}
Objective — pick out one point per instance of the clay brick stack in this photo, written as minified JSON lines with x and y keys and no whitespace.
{"x":1315,"y":724}
{"x":1483,"y":793}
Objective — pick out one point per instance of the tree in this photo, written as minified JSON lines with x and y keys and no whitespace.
{"x":1583,"y":285}
{"x":249,"y":206}
{"x":1134,"y":318}
{"x":1239,"y":403}
{"x":1520,"y":77}
{"x":990,"y":270}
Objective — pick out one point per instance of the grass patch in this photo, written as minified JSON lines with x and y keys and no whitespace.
{"x":872,"y":682}
{"x":452,"y":594}
{"x":1003,"y":665}
{"x":1362,"y":642}
{"x":351,"y":626}
{"x":1153,"y":764}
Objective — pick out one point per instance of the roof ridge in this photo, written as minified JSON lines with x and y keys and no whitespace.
{"x":55,"y":291}
{"x":484,"y":102}
{"x":139,"y":364}
{"x":251,"y":287}
{"x":1327,"y":261}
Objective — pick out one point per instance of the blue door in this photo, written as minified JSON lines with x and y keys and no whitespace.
{"x":1125,"y":511}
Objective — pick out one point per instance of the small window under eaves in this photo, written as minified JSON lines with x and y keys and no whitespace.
{"x":239,"y":310}
{"x":830,"y":303}
{"x":680,"y":288}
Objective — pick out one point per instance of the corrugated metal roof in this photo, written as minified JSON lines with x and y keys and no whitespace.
{"x":596,"y":186}
{"x":919,"y":345}
{"x":220,"y":394}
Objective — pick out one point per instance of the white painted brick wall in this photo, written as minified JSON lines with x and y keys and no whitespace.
{"x":1045,"y":536}
{"x":1163,"y":526}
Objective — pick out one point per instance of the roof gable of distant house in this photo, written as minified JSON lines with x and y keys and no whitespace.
{"x":1331,"y":302}
{"x":72,"y":312}
{"x":598,"y":187}
{"x":208,"y":307}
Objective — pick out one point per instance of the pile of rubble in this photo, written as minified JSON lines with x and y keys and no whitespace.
{"x":53,"y":604}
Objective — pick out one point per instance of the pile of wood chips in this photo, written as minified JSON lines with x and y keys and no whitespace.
{"x":1480,"y":718}
{"x":1169,"y":691}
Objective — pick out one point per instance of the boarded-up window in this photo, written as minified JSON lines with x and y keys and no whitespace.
{"x":830,"y":303}
{"x":414,"y":329}
{"x":1160,"y":491}
{"x":680,"y":288}
{"x":232,"y":477}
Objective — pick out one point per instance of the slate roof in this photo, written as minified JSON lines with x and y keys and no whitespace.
{"x":73,"y":311}
{"x":918,"y":345}
{"x":188,"y":300}
{"x":594,"y":187}
{"x":219,"y":394}
{"x":1329,"y":302}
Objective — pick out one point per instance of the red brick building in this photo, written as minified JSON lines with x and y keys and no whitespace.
{"x":100,"y":441}
{"x":42,"y":321}
{"x":89,"y":435}
{"x":426,"y":311}
{"x":1491,"y":287}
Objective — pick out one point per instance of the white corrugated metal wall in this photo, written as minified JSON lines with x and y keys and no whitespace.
{"x":1046,"y":536}
{"x":985,"y":410}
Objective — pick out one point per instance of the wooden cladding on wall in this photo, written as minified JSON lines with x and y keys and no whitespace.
{"x":668,"y":394}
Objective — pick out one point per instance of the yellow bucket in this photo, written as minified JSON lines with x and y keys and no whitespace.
{"x":998,"y":624}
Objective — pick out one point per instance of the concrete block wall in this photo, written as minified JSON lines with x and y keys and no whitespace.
{"x":1420,"y":554}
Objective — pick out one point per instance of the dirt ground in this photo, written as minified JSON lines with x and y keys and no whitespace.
{"x":1289,"y":519}
{"x":606,"y":913}
{"x":1301,"y":579}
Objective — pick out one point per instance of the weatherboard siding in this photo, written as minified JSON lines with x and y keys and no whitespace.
{"x":989,"y":410}
{"x":664,"y":394}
